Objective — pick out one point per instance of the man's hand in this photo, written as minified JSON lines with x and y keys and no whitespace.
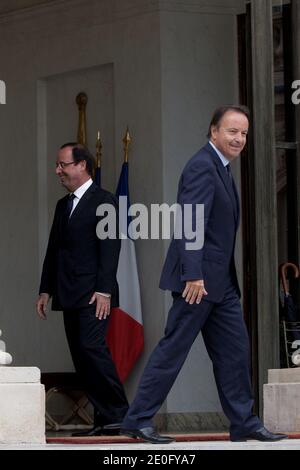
{"x":102,"y":305}
{"x":41,"y":306}
{"x":194,"y":291}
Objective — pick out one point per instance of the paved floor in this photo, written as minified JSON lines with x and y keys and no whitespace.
{"x":290,"y":444}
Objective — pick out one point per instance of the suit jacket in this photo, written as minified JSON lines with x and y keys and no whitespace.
{"x":205,"y":181}
{"x":77,"y":262}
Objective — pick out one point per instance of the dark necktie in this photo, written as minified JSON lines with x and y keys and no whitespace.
{"x":68,"y":209}
{"x":229,"y":172}
{"x":232,"y":185}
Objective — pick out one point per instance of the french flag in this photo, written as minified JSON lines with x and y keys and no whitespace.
{"x":125,"y":336}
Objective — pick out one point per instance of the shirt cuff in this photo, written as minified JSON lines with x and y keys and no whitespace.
{"x":104,"y":294}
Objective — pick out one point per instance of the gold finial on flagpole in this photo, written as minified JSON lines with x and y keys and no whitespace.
{"x":127,"y":142}
{"x":81,"y":101}
{"x":98,"y":150}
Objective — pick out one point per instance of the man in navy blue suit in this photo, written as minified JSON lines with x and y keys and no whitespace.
{"x":205,"y":291}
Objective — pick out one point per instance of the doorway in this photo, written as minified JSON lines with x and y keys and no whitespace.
{"x":286,"y":166}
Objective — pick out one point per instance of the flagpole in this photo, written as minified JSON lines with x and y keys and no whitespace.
{"x":97,"y":177}
{"x":126,"y":321}
{"x":127,"y":142}
{"x":98,"y":150}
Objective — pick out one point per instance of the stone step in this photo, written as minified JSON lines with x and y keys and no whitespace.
{"x":19,"y":375}
{"x":284,"y":375}
{"x":282,"y":400}
{"x":22,"y":405}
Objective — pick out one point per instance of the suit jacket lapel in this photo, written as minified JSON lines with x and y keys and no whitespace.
{"x":237,"y":200}
{"x":84,"y":200}
{"x":230,"y":188}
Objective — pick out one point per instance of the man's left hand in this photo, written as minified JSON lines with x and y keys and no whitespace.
{"x":194,"y":291}
{"x":102,"y":305}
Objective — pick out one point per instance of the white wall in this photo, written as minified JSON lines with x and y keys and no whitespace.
{"x":160,"y":67}
{"x":48,"y":55}
{"x":199,"y":73}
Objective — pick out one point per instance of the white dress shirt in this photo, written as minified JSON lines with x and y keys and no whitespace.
{"x":80,"y":192}
{"x":223,"y":159}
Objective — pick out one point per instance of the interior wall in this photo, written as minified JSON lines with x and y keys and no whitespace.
{"x":159,"y":67}
{"x":48,"y":56}
{"x":199,"y":73}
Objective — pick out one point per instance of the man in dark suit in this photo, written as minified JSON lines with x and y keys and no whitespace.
{"x":205,"y":292}
{"x":79,"y":273}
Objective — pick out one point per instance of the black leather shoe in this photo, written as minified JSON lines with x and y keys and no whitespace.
{"x":261,"y":434}
{"x":95,"y":431}
{"x":112,"y":429}
{"x":148,"y":435}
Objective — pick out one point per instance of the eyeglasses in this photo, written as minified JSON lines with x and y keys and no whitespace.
{"x":63,"y":165}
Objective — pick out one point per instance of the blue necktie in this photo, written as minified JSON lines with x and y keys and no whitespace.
{"x":231,"y":181}
{"x":229,"y":172}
